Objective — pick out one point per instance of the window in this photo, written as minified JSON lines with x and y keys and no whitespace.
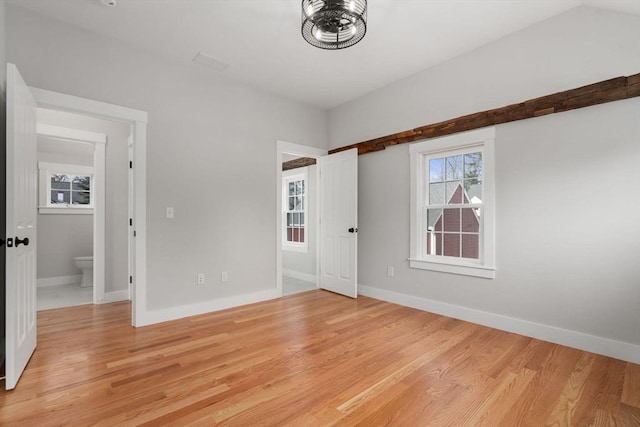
{"x":452,"y":223}
{"x":65,"y":188}
{"x":294,"y":210}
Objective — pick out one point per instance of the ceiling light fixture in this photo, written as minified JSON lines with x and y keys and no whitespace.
{"x":334,"y":24}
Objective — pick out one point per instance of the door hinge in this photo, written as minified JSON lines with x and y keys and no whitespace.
{"x":130,"y":164}
{"x":134,"y":233}
{"x":130,"y":279}
{"x":130,"y":221}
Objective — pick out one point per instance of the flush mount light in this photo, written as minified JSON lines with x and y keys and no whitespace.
{"x":334,"y":24}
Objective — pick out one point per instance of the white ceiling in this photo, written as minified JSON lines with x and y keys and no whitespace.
{"x":261,"y":41}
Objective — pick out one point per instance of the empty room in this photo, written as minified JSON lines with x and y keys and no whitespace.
{"x":320,"y":212}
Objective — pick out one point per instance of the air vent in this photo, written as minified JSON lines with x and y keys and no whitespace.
{"x":209,"y":61}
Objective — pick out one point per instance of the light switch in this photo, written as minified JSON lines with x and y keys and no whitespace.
{"x":169,"y":212}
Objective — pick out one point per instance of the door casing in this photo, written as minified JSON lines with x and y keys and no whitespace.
{"x":284,"y":147}
{"x":138,"y":121}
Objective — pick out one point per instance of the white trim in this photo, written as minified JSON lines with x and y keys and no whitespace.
{"x":481,"y":140}
{"x":139,"y":243}
{"x":115,"y":296}
{"x":283,"y":147}
{"x":67,"y":168}
{"x":99,"y":222}
{"x":138,"y":120}
{"x":617,"y":349}
{"x":65,"y":210}
{"x":47,"y":98}
{"x":444,"y":267}
{"x":300,"y":276}
{"x":300,"y":174}
{"x":47,"y":169}
{"x":70,"y":134}
{"x":172,"y":313}
{"x":46,"y":282}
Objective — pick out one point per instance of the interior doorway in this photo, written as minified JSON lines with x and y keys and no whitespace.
{"x":298,"y":219}
{"x":133,"y":194}
{"x":82,"y":209}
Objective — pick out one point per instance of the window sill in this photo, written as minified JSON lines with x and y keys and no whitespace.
{"x":65,"y":210}
{"x":462,"y":269}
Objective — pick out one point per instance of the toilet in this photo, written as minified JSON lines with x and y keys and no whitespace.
{"x":85,"y":263}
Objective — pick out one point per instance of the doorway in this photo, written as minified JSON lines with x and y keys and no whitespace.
{"x":298,"y":219}
{"x":336,"y":216}
{"x":134,"y":196}
{"x":21,"y":210}
{"x":82,"y":209}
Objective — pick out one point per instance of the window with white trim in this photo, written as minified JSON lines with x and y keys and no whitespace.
{"x":294,"y":209}
{"x":452,"y":212}
{"x":65,"y":188}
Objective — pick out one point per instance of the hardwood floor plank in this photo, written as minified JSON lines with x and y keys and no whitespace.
{"x":539,"y":398}
{"x":312,"y":359}
{"x":564,"y":410}
{"x":631,"y":389}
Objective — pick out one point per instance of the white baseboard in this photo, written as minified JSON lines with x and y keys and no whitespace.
{"x":300,"y":276}
{"x":617,"y":349}
{"x":60,"y":280}
{"x":163,"y":315}
{"x":115,"y":296}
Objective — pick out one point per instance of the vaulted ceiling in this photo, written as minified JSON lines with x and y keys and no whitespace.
{"x":261,"y":43}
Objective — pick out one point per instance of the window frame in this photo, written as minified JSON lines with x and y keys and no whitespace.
{"x":299,"y":174}
{"x":481,"y":140}
{"x":45,"y":171}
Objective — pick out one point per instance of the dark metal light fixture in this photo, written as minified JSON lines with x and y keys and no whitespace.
{"x":334,"y":24}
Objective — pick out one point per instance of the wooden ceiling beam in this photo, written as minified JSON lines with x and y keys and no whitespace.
{"x":298,"y":163}
{"x":615,"y":89}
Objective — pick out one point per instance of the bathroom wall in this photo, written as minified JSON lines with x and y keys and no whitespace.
{"x":62,"y":237}
{"x":302,"y":265}
{"x":117,"y":188}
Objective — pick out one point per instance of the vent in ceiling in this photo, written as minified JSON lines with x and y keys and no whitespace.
{"x":209,"y":61}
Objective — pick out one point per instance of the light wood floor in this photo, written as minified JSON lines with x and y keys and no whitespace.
{"x":311,"y":359}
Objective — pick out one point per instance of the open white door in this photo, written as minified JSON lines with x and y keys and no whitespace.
{"x":338,"y":222}
{"x":21,"y":227}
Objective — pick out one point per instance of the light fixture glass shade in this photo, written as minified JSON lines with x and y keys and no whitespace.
{"x":334,"y":24}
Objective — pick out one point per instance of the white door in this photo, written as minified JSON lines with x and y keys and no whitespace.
{"x":21,"y":227}
{"x":338,"y":222}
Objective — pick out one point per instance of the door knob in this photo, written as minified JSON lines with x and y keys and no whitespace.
{"x":24,"y":241}
{"x":353,"y":230}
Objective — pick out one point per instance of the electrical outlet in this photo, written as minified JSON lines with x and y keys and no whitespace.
{"x":200,"y":279}
{"x":390,"y":271}
{"x":170,"y":213}
{"x":224,"y":276}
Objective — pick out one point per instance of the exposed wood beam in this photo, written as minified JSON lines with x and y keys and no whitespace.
{"x":298,"y":163}
{"x":598,"y":93}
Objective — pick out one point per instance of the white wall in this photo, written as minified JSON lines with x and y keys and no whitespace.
{"x":62,"y":237}
{"x":567,"y":185}
{"x":582,"y":46}
{"x":211,"y":148}
{"x":303,"y":264}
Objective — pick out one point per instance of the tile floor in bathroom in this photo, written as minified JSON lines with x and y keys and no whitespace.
{"x":63,"y":296}
{"x":293,"y":286}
